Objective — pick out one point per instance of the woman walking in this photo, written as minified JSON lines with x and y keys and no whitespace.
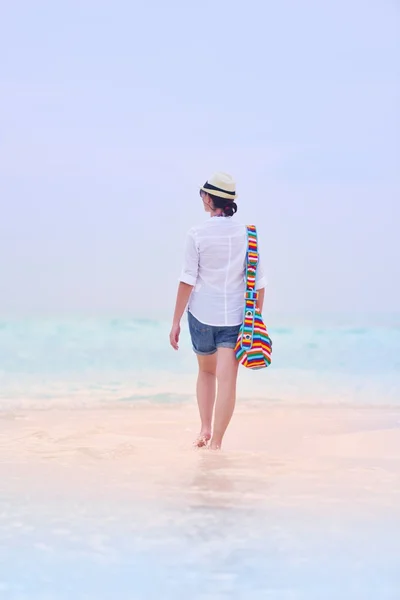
{"x":212,"y":285}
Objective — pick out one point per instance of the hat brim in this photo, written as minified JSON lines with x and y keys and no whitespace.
{"x":219,"y":194}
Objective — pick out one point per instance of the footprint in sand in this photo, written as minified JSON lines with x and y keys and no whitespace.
{"x":89,"y":452}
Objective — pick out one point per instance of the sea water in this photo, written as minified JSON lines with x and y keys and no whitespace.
{"x":77,"y":362}
{"x":64,"y":547}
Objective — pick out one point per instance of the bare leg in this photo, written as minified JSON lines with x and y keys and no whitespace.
{"x":227,"y":368}
{"x":206,"y":387}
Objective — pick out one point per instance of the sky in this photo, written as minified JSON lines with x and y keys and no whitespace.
{"x":112,"y":114}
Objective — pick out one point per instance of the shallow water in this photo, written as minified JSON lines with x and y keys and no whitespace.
{"x":87,"y":361}
{"x":205,"y":545}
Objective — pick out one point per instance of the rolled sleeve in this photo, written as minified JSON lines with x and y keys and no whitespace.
{"x":261,"y":279}
{"x":190,"y":267}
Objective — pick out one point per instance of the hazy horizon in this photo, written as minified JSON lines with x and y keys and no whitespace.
{"x":112,"y":115}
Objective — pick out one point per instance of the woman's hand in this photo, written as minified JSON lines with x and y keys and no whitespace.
{"x":174,"y":336}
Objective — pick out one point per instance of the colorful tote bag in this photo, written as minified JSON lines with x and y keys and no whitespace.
{"x":254,"y":346}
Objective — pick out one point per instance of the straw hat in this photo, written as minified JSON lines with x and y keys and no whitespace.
{"x":221,"y":185}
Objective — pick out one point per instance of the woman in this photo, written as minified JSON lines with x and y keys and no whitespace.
{"x":212,"y":283}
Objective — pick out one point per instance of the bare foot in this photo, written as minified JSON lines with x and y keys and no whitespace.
{"x":202,"y":439}
{"x":215,"y":445}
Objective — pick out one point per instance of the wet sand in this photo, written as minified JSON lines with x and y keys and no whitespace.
{"x":301,"y":503}
{"x":290,"y":454}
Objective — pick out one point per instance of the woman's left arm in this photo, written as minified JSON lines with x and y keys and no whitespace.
{"x":187,"y":282}
{"x":182,"y":299}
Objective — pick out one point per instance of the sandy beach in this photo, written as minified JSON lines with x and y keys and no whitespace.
{"x":301,"y":503}
{"x":285,"y":454}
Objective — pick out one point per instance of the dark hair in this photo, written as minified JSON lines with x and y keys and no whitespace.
{"x":228,"y":206}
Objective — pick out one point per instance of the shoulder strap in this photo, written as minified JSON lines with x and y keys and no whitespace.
{"x":251,"y":294}
{"x":251,"y":258}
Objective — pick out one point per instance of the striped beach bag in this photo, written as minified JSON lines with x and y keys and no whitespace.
{"x":254,"y":346}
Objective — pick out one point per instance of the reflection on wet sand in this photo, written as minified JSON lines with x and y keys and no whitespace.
{"x":232,"y":480}
{"x":214,"y":482}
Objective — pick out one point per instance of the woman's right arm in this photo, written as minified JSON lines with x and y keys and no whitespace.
{"x":261,"y":284}
{"x":260,"y":301}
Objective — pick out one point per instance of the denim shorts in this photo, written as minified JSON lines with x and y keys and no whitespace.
{"x":206,"y":339}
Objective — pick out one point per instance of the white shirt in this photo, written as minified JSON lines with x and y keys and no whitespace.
{"x":215,"y":264}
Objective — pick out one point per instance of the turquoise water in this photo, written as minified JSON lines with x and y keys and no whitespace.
{"x":88,"y":361}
